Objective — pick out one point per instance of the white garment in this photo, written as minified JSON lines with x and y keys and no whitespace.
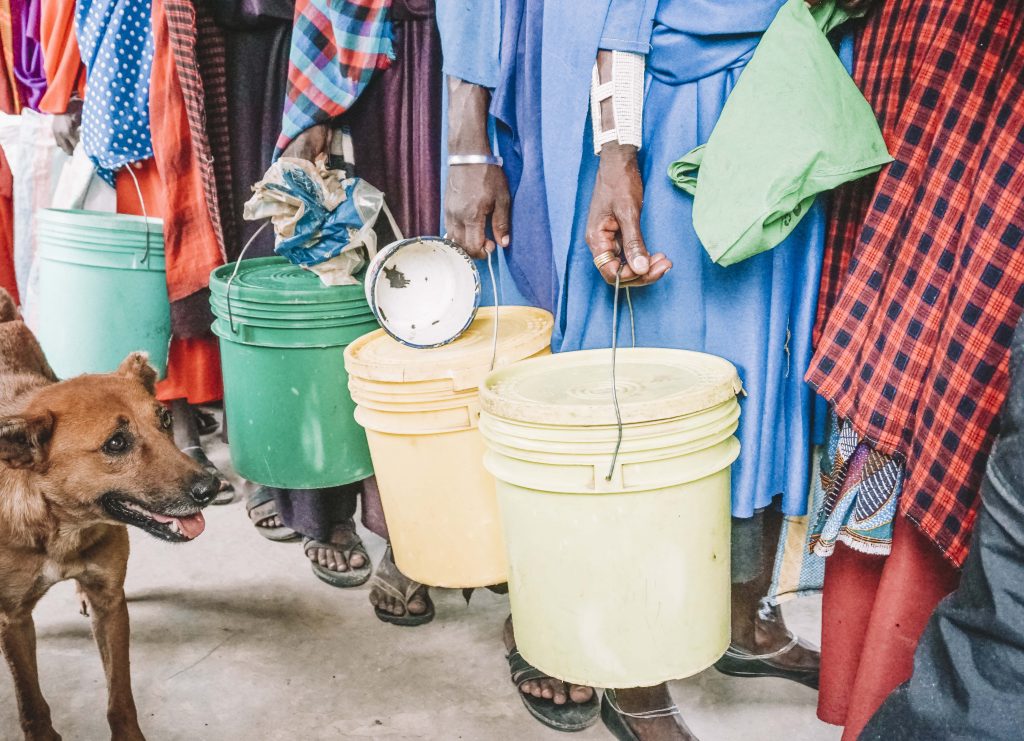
{"x":36,"y":163}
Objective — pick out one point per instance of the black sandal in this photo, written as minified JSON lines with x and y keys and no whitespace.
{"x":568,"y":718}
{"x":352,"y":543}
{"x":384,"y":580}
{"x":261,"y":506}
{"x":738,"y":662}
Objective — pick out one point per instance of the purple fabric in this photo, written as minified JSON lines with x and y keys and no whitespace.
{"x":258,"y":36}
{"x":403,"y":157}
{"x":517,"y":110}
{"x":28,"y":52}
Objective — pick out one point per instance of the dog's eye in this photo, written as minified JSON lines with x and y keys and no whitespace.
{"x":117,"y":444}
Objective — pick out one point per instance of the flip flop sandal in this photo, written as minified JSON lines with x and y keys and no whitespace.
{"x":614,"y":721}
{"x":738,"y":662}
{"x":568,"y":718}
{"x":206,"y":422}
{"x":387,"y":574}
{"x":261,"y":506}
{"x":352,"y":544}
{"x":226,"y":495}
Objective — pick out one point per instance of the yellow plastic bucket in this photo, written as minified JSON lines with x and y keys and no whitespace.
{"x":618,"y":563}
{"x":420,"y":409}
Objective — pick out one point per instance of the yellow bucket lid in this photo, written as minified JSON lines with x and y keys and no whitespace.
{"x":574,"y":389}
{"x":523,"y":331}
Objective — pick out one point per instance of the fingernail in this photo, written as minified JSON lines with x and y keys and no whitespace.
{"x":504,"y":241}
{"x":641,"y":264}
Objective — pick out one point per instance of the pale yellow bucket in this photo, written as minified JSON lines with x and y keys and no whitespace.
{"x":618,"y":573}
{"x":420,"y":409}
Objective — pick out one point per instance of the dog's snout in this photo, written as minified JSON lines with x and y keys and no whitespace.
{"x":204,"y":489}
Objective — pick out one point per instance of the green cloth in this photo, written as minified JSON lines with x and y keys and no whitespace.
{"x":795,"y":125}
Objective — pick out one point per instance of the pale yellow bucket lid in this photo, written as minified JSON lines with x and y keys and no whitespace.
{"x":523,"y":331}
{"x":574,"y":388}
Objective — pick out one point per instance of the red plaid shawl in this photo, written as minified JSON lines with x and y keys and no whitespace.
{"x":924,"y":276}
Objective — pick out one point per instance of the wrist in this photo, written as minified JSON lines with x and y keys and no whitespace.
{"x":614,"y":151}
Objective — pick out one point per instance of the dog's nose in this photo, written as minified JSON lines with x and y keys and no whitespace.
{"x":204,"y":489}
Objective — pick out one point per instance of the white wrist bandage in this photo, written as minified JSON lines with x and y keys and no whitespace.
{"x":626,"y":90}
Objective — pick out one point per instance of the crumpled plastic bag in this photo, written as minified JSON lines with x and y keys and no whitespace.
{"x":794,"y":126}
{"x":323,"y":220}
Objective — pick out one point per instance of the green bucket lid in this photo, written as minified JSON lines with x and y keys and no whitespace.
{"x":100,"y":221}
{"x":274,"y":280}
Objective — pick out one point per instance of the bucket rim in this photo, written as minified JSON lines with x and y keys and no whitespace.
{"x":529,"y":391}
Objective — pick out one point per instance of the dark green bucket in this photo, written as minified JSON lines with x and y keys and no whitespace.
{"x":282,"y":339}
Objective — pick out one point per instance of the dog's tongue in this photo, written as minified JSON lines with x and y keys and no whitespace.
{"x":192,"y":526}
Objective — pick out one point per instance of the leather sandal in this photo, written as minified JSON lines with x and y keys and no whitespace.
{"x":568,"y":718}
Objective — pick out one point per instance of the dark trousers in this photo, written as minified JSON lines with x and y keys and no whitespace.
{"x":968,"y":680}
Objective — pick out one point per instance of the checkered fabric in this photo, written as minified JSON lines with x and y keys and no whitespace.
{"x":182,"y":31}
{"x":924,"y":278}
{"x":336,"y":48}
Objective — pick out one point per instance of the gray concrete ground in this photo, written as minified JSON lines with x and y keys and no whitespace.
{"x":234,"y":639}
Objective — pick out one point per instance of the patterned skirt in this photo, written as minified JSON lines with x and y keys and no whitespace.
{"x":924,"y":271}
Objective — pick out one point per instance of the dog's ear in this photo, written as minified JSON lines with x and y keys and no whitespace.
{"x":137,"y":366}
{"x":25,"y":440}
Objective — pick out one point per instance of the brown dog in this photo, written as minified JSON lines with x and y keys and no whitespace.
{"x":78,"y":459}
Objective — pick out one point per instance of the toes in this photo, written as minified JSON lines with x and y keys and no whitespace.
{"x":560,"y":694}
{"x":549,"y":692}
{"x":418,"y":604}
{"x":374,"y":598}
{"x":526,"y":688}
{"x":357,"y":560}
{"x":579,"y":694}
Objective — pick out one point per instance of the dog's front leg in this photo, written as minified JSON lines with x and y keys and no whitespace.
{"x":110,"y":627}
{"x":18,"y":640}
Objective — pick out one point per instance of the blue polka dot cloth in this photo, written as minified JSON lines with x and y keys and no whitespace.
{"x":116,"y":41}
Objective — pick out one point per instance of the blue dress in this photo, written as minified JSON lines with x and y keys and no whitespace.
{"x":759,"y":314}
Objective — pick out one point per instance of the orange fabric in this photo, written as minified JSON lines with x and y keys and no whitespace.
{"x":7,"y":279}
{"x":193,"y":367}
{"x":9,"y":102}
{"x":65,"y":73}
{"x":189,"y":235}
{"x":172,"y":188}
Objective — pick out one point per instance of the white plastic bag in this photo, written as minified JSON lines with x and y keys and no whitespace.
{"x":79,"y":187}
{"x":36,"y":162}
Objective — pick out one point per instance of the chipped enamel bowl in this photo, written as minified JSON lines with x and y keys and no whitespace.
{"x":424,"y":291}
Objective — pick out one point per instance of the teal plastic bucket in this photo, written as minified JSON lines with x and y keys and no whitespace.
{"x":282,"y":339}
{"x":101,"y":299}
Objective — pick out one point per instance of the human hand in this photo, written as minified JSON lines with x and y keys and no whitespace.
{"x":614,"y":220}
{"x":310,"y":144}
{"x":67,"y":127}
{"x":475,"y":196}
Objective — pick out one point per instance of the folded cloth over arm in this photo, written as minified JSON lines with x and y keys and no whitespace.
{"x":794,"y":126}
{"x":336,"y":48}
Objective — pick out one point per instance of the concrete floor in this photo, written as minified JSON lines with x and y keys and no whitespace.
{"x":233,"y":638}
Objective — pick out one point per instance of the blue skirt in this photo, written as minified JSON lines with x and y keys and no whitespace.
{"x":759,"y":313}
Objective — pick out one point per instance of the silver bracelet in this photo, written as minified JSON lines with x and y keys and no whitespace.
{"x":474,"y":159}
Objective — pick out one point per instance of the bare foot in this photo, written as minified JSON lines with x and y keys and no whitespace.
{"x":342,"y":552}
{"x":389,"y":584}
{"x":549,"y":688}
{"x":664,"y":723}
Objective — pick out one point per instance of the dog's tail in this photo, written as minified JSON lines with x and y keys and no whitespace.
{"x":8,"y":309}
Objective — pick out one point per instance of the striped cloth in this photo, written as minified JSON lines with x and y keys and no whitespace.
{"x":336,"y":48}
{"x":924,"y":275}
{"x":861,"y":487}
{"x":184,"y":36}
